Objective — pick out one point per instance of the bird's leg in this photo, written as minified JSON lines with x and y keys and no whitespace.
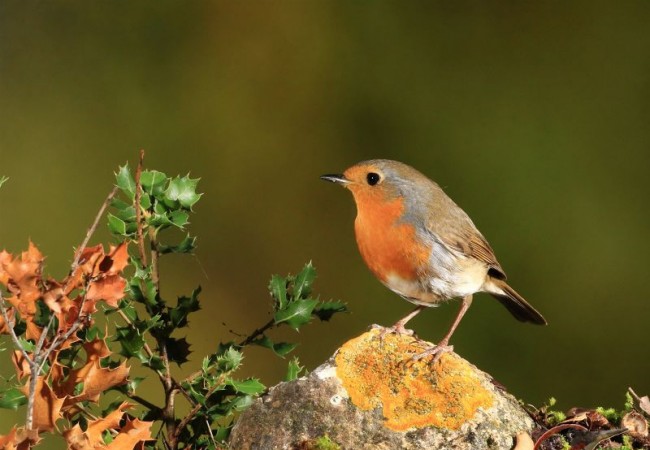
{"x":399,"y":328}
{"x":399,"y":325}
{"x":443,"y":345}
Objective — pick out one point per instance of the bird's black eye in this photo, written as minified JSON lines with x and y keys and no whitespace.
{"x":373,"y":178}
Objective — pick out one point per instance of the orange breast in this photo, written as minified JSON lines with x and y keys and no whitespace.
{"x":388,"y":246}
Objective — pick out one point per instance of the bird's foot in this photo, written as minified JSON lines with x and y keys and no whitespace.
{"x":436,"y":352}
{"x":397,"y":329}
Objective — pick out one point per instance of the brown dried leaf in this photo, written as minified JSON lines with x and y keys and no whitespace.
{"x":132,"y":433}
{"x":89,"y":258}
{"x":110,"y":289}
{"x":119,"y":258}
{"x":54,"y":296}
{"x":19,"y":439}
{"x":596,"y":420}
{"x":47,"y":406}
{"x":111,"y":421}
{"x":96,"y":380}
{"x":77,"y":439}
{"x":5,"y":258}
{"x":23,"y":274}
{"x":96,"y":349}
{"x":21,"y":365}
{"x":636,"y":424}
{"x":3,"y":326}
{"x":33,"y":331}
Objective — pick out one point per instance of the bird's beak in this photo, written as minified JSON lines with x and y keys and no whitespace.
{"x":335,"y":178}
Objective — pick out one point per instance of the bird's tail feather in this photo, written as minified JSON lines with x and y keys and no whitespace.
{"x":514,"y":302}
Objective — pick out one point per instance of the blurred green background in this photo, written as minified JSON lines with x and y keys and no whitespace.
{"x":535,"y":118}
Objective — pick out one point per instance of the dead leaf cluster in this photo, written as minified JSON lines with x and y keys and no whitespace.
{"x":591,"y":428}
{"x":59,"y":390}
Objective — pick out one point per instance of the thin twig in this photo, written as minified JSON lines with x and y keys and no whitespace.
{"x":247,"y":341}
{"x":33,"y":378}
{"x":138,"y":212}
{"x":147,"y":403}
{"x":194,"y":411}
{"x":33,"y":365}
{"x":41,"y":340}
{"x":257,"y":333}
{"x":10,"y":327}
{"x":207,"y":424}
{"x":60,"y":339}
{"x":169,"y":384}
{"x":155,"y":275}
{"x":91,"y":230}
{"x":39,"y":360}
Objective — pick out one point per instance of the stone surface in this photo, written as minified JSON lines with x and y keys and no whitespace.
{"x":372,"y":395}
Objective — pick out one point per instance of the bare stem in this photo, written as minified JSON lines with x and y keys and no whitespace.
{"x":10,"y":327}
{"x":146,"y":403}
{"x":91,"y":230}
{"x":261,"y":330}
{"x":247,"y":341}
{"x":138,"y":212}
{"x":33,"y":365}
{"x":170,"y":386}
{"x":194,"y":411}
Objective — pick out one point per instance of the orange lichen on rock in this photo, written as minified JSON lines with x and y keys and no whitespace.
{"x":378,"y":373}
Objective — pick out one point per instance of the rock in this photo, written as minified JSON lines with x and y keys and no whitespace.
{"x":372,"y":395}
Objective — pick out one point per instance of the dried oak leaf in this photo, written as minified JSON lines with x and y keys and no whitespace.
{"x":55,"y":297}
{"x":3,"y":326}
{"x":88,"y":261}
{"x":22,"y":277}
{"x":19,"y":439}
{"x":109,"y":288}
{"x":131,"y":434}
{"x":20,"y":364}
{"x":47,"y":406}
{"x":5,"y":258}
{"x":108,"y":285}
{"x":118,"y":259}
{"x":78,"y":439}
{"x":95,"y":378}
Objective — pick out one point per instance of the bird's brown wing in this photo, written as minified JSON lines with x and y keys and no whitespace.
{"x":472,"y":244}
{"x":451,"y":225}
{"x":455,"y":229}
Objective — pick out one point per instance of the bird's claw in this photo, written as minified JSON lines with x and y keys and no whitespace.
{"x":435,"y":351}
{"x":395,"y":329}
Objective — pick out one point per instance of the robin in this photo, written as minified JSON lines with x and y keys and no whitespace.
{"x":423,"y":246}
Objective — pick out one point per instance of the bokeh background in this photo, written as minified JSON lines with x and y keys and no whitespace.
{"x":535,"y":118}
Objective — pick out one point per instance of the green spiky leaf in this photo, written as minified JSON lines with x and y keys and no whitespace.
{"x":293,"y":369}
{"x":278,"y":289}
{"x":325,"y":310}
{"x":187,"y":245}
{"x":125,"y":181}
{"x":182,"y":191}
{"x":279,"y":348}
{"x":153,"y":182}
{"x":303,"y":281}
{"x":12,"y":399}
{"x":298,"y":313}
{"x":116,"y":225}
{"x":250,"y":386}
